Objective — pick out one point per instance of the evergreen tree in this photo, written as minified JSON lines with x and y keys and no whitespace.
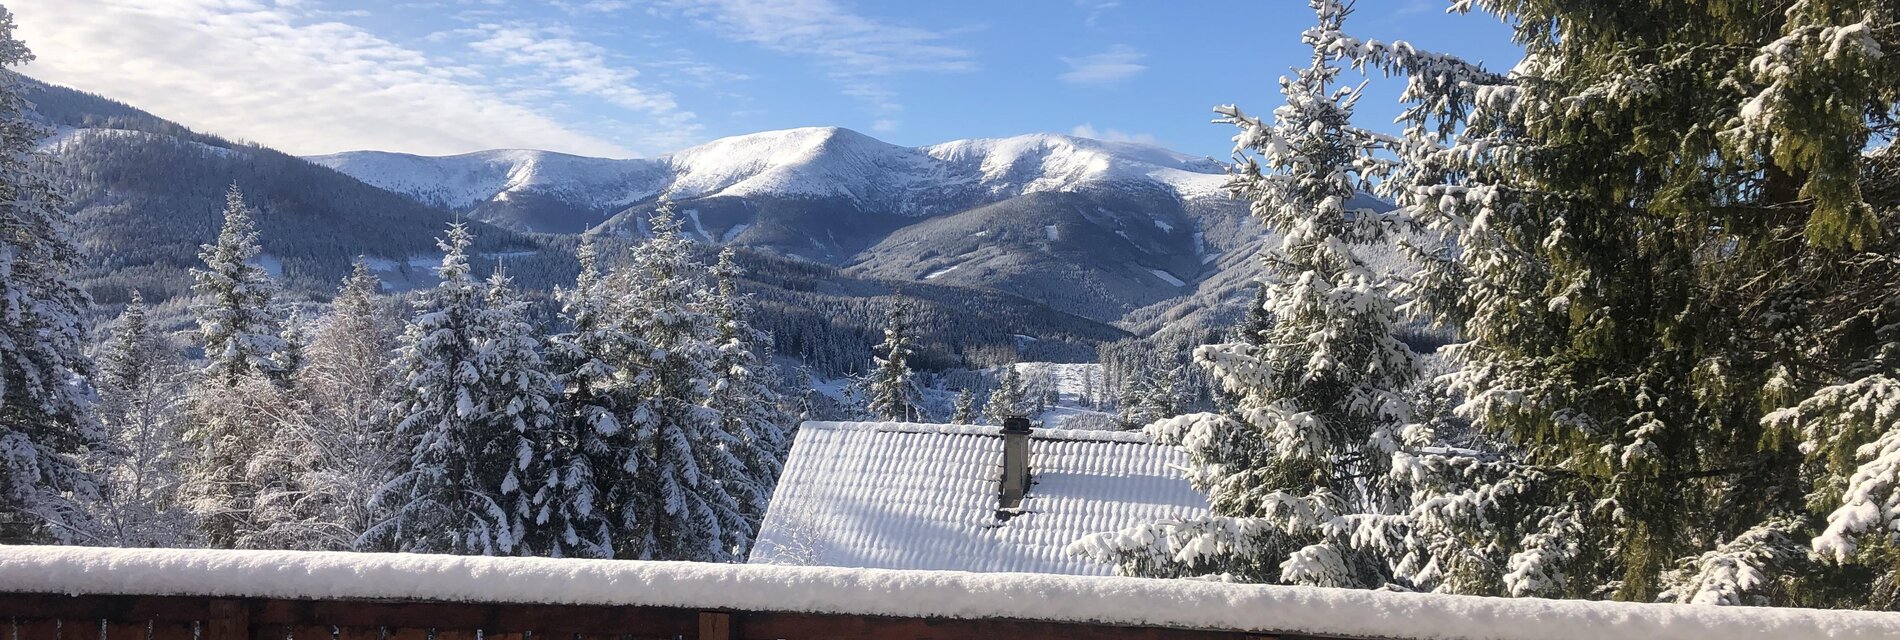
{"x":238,"y":324}
{"x":967,"y":410}
{"x":234,"y":422}
{"x":292,"y":357}
{"x":1321,"y":396}
{"x":1258,"y":322}
{"x":141,"y":392}
{"x":450,"y":497}
{"x":44,"y":423}
{"x":674,"y":497}
{"x":519,"y":395}
{"x":1665,"y":264}
{"x":1131,"y":411}
{"x":750,"y":409}
{"x":893,"y":389}
{"x":1010,"y":399}
{"x":595,"y":389}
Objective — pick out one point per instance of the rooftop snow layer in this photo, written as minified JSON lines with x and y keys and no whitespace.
{"x":1191,"y":604}
{"x":918,"y":496}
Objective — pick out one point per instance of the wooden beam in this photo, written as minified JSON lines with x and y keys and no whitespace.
{"x":715,"y":625}
{"x":43,"y":606}
{"x":35,"y":616}
{"x":795,"y":626}
{"x":229,"y":620}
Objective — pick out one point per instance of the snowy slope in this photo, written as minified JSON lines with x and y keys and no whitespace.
{"x":460,"y":182}
{"x":825,"y":162}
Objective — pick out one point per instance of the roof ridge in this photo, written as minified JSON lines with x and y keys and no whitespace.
{"x":1087,"y":435}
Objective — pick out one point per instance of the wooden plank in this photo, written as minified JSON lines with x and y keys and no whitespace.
{"x":715,"y":625}
{"x":773,"y":626}
{"x":418,"y":615}
{"x":561,"y":622}
{"x":174,"y":631}
{"x":88,"y":628}
{"x":406,"y":633}
{"x":117,"y":608}
{"x":313,"y":632}
{"x":229,"y":620}
{"x":455,"y":634}
{"x":128,"y":630}
{"x":37,"y":629}
{"x":359,"y":633}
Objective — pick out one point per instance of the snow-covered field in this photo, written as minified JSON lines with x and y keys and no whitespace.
{"x":1187,"y":604}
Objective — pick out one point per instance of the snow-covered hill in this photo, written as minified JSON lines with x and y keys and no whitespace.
{"x":1092,"y":227}
{"x":827,"y":163}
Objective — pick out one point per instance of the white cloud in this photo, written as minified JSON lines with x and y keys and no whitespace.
{"x":885,"y":125}
{"x":1087,"y":130}
{"x":583,"y":68}
{"x":261,"y":72}
{"x":856,"y":50}
{"x":1109,"y":67}
{"x":1095,"y":9}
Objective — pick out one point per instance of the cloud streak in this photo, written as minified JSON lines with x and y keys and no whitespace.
{"x":1106,"y":68}
{"x":1088,"y":130}
{"x":306,"y":85}
{"x":861,"y":53}
{"x":584,"y":68}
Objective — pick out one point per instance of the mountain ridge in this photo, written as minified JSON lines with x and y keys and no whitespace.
{"x":809,"y":162}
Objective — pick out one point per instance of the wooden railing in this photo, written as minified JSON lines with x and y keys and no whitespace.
{"x":71,"y":593}
{"x":32,"y":616}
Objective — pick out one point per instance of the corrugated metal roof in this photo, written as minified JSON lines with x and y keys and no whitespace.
{"x":922,"y":496}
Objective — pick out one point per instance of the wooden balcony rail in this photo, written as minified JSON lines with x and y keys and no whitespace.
{"x":31,"y":616}
{"x":72,"y":593}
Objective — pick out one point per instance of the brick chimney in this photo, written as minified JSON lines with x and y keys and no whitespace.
{"x":1015,"y":462}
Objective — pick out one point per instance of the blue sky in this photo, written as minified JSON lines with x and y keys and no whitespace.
{"x":644,"y":77}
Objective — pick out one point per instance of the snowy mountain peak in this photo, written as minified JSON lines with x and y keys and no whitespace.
{"x":809,"y":162}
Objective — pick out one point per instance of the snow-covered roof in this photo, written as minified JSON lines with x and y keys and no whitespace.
{"x":924,"y":496}
{"x":1180,"y":604}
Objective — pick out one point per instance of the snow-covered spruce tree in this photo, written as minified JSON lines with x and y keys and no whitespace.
{"x":296,"y":339}
{"x":518,"y":394}
{"x":1010,"y":398}
{"x":238,"y":324}
{"x":1295,"y":473}
{"x":449,"y":498}
{"x":893,"y":391}
{"x":141,"y":406}
{"x":349,"y":451}
{"x":967,"y":411}
{"x":44,"y":391}
{"x":672,"y":497}
{"x":1849,"y":428}
{"x":231,"y":423}
{"x":749,"y":407}
{"x":570,"y":511}
{"x":1130,"y":406}
{"x":1665,"y":266}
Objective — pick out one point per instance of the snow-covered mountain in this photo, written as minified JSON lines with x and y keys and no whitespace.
{"x":819,"y":163}
{"x":1096,"y":228}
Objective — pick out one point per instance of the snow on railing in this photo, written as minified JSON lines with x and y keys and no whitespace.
{"x":29,"y":575}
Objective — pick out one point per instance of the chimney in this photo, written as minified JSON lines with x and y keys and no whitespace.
{"x":1015,"y":462}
